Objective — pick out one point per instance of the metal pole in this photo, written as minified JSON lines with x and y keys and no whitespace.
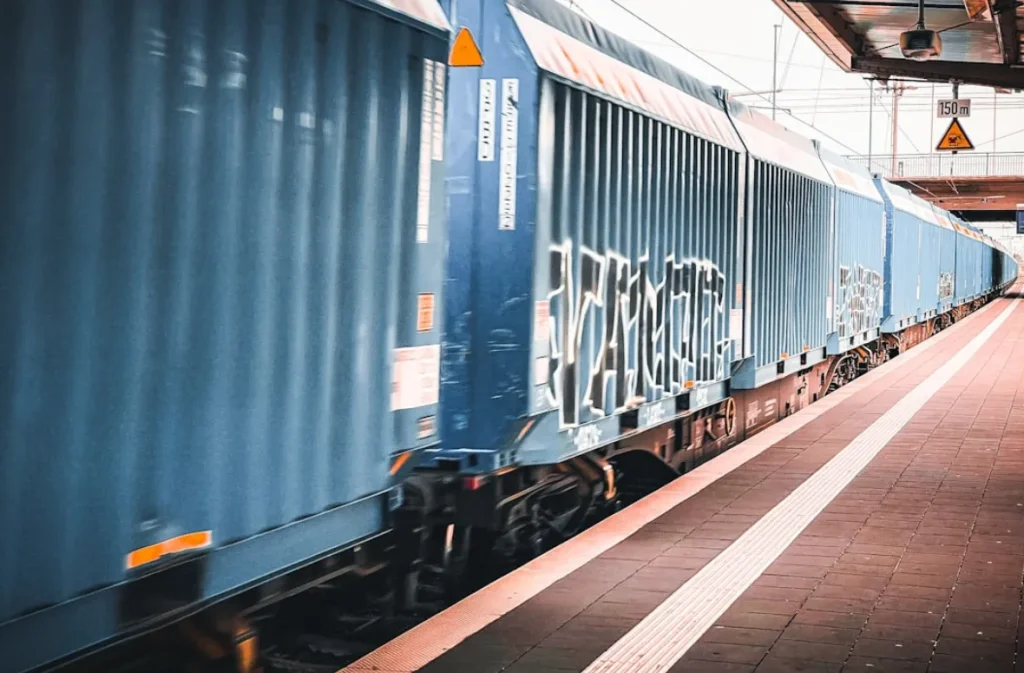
{"x":896,"y":91}
{"x":995,"y":107}
{"x":871,"y":121}
{"x":931,"y":120}
{"x":956,"y":96}
{"x":775,"y":63}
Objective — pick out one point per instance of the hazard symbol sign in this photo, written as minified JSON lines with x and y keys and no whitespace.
{"x":955,"y":138}
{"x":465,"y":53}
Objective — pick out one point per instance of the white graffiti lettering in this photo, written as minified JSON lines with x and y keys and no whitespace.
{"x":654,"y":337}
{"x":945,"y":285}
{"x":860,"y":300}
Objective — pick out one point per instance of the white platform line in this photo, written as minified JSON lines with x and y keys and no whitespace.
{"x":427,"y":641}
{"x":663,"y":637}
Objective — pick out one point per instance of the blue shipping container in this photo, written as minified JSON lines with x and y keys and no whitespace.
{"x":969,"y":253}
{"x":790,"y":233}
{"x":946,"y":261}
{"x":930,"y":260}
{"x":905,"y":216}
{"x":595,"y":221}
{"x":859,"y":255}
{"x":225,"y":219}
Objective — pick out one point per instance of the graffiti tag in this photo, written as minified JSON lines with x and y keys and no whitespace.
{"x":945,"y":285}
{"x":654,"y":336}
{"x":860,"y":300}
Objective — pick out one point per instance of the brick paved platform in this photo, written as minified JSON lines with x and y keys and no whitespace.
{"x":916,"y":564}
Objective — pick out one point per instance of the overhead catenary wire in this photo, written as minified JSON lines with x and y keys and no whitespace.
{"x":796,"y":102}
{"x":676,"y":43}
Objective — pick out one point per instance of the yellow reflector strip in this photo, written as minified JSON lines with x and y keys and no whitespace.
{"x":176,"y":545}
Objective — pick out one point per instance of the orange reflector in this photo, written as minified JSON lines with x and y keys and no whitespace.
{"x":399,"y":462}
{"x":465,"y":53}
{"x":176,"y":545}
{"x":526,"y":428}
{"x":688,"y":385}
{"x":785,"y":355}
{"x":473,"y":483}
{"x":806,"y":348}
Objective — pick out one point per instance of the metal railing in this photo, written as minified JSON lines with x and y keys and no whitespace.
{"x":969,"y":165}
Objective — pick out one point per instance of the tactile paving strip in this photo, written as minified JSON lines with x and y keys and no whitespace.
{"x":422,"y":644}
{"x":664,"y":636}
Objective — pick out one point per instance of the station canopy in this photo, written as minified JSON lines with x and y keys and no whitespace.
{"x":981,"y":39}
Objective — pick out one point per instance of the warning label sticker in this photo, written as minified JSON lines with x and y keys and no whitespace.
{"x":416,"y":377}
{"x":426,"y":118}
{"x":465,"y":52}
{"x":508,"y":154}
{"x":425,"y":312}
{"x":485,"y":130}
{"x":736,"y":324}
{"x":541,"y":315}
{"x":438,"y":141}
{"x":541,"y":367}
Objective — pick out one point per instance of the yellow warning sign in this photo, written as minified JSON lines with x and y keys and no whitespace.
{"x":465,"y":53}
{"x":954,"y":138}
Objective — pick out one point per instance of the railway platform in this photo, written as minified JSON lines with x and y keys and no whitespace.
{"x":881,"y":529}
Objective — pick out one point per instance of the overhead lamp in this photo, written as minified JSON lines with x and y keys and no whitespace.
{"x":920,"y":44}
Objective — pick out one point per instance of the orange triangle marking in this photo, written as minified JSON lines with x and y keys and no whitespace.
{"x":465,"y":53}
{"x":955,"y":138}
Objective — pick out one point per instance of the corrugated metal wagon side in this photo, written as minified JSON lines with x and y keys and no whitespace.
{"x":790,"y":242}
{"x":594,"y":259}
{"x":946,"y":261}
{"x":905,"y":215}
{"x":1005,"y":266}
{"x":857,"y":274}
{"x":930,"y":260}
{"x":225,"y":222}
{"x":969,"y":253}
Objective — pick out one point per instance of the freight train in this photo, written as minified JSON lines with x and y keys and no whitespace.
{"x":290,"y":289}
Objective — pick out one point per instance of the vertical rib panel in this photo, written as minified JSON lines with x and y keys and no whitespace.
{"x":199,"y":272}
{"x":645,"y":211}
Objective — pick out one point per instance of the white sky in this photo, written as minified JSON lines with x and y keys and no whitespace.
{"x":737,"y":38}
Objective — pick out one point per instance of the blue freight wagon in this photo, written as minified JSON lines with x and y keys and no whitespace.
{"x":946,"y":261}
{"x":971,"y":252}
{"x":238,"y":229}
{"x":594,"y":261}
{"x":221,"y":321}
{"x":856,"y":282}
{"x":789,"y":216}
{"x":905,"y":216}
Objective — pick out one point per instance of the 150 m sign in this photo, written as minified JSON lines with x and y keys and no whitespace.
{"x":948,"y":109}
